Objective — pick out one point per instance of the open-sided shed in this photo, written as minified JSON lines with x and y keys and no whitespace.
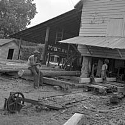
{"x":62,"y":27}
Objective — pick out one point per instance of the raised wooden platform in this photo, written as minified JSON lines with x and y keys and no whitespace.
{"x":104,"y":89}
{"x":97,"y":80}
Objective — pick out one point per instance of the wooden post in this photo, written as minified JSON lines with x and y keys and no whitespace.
{"x":46,"y":45}
{"x":20,"y":42}
{"x":99,"y":68}
{"x":86,"y":67}
{"x":68,"y":51}
{"x":48,"y":59}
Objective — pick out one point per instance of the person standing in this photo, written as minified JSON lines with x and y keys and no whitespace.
{"x":33,"y":67}
{"x":104,"y":70}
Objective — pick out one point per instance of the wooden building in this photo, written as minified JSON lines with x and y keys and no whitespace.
{"x":102,"y":34}
{"x":9,"y":49}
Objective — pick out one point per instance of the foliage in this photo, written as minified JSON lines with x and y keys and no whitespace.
{"x":27,"y":51}
{"x":15,"y":15}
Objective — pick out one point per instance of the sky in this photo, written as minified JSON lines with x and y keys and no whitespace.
{"x":48,"y":9}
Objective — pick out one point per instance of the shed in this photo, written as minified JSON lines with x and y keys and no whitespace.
{"x":9,"y":49}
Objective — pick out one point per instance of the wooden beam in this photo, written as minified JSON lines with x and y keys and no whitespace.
{"x":88,"y":50}
{"x":97,"y":80}
{"x":20,"y":42}
{"x":119,"y":53}
{"x":55,"y":82}
{"x":76,"y":119}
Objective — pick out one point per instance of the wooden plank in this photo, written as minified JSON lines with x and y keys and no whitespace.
{"x":63,"y":84}
{"x":87,"y":80}
{"x":72,"y":78}
{"x":76,"y":119}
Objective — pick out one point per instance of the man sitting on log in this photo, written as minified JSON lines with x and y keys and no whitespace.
{"x":33,"y":67}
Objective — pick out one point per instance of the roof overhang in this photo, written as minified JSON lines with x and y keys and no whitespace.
{"x":107,"y":42}
{"x":37,"y":33}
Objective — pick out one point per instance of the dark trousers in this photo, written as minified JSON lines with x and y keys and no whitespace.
{"x":38,"y":76}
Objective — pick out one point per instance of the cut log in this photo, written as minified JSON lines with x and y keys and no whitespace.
{"x":50,"y":73}
{"x":76,"y":119}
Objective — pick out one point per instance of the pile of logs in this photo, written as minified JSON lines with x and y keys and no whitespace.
{"x":52,"y":77}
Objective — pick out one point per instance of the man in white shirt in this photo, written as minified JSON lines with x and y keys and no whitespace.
{"x":33,"y":67}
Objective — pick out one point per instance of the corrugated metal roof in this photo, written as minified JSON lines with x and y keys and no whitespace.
{"x":37,"y":33}
{"x":108,"y":42}
{"x":4,"y":41}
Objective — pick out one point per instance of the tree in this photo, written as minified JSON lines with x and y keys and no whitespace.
{"x":15,"y":15}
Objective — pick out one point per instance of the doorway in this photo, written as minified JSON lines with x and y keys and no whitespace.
{"x":10,"y":54}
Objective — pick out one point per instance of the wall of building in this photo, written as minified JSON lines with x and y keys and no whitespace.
{"x":4,"y":49}
{"x":103,"y":18}
{"x":101,"y":52}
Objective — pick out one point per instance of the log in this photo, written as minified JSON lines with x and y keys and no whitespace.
{"x":50,"y":73}
{"x":51,"y":81}
{"x":76,"y":119}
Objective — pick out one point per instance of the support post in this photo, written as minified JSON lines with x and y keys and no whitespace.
{"x":86,"y":67}
{"x":68,"y":50}
{"x":46,"y":45}
{"x":99,"y":68}
{"x":20,"y":42}
{"x":48,"y":59}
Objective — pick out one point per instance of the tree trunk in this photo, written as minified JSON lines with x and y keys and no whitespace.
{"x":50,"y":73}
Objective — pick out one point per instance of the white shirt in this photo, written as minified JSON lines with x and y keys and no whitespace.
{"x":104,"y":67}
{"x":31,"y":61}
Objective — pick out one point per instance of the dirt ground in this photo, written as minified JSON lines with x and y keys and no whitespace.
{"x":96,"y":108}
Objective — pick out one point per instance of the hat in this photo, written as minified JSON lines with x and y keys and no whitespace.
{"x":106,"y":61}
{"x":36,"y":52}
